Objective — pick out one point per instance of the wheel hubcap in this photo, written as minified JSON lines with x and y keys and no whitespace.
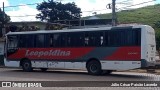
{"x":26,"y":65}
{"x":93,"y":68}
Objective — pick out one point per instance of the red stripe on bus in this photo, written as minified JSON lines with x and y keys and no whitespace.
{"x":125,"y":53}
{"x":50,"y":53}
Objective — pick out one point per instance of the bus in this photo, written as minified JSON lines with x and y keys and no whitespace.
{"x":97,"y":50}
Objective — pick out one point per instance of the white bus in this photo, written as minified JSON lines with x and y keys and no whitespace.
{"x":98,"y":50}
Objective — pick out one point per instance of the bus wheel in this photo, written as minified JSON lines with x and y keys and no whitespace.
{"x":26,"y":65}
{"x":43,"y":69}
{"x":94,"y":67}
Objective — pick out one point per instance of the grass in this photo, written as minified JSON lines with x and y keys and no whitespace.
{"x":146,"y":15}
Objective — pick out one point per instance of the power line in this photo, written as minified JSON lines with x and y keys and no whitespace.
{"x":20,"y":5}
{"x":123,"y":2}
{"x":122,"y":7}
{"x":137,"y":4}
{"x":94,"y":10}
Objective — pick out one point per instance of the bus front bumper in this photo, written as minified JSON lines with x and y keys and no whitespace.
{"x":147,"y":64}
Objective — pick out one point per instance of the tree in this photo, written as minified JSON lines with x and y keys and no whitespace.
{"x":7,"y":18}
{"x":51,"y":11}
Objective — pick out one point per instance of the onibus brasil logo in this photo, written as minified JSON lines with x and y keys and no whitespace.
{"x":21,"y":84}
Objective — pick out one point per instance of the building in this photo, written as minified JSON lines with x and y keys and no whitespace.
{"x":33,"y":26}
{"x":93,"y":17}
{"x":86,"y":23}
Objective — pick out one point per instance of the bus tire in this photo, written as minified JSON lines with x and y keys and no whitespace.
{"x":94,"y":67}
{"x":26,"y":65}
{"x":43,"y":69}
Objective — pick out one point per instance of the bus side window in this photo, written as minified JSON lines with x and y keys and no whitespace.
{"x":129,"y":39}
{"x":137,"y":36}
{"x":68,"y":39}
{"x":74,"y":39}
{"x":57,"y":40}
{"x":40,"y":40}
{"x":113,"y":38}
{"x":94,"y":38}
{"x":31,"y":41}
{"x":51,"y":40}
{"x":91,"y":40}
{"x":86,"y":39}
{"x":22,"y":41}
{"x":98,"y":38}
{"x":122,"y":37}
{"x":12,"y":42}
{"x":54,"y":40}
{"x":63,"y":39}
{"x":79,"y":41}
{"x":102,"y":40}
{"x":106,"y":41}
{"x":47,"y":40}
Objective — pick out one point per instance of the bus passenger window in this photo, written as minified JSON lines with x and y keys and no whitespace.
{"x":94,"y":38}
{"x":56,"y":40}
{"x":79,"y":41}
{"x":12,"y":42}
{"x":40,"y":41}
{"x":69,"y":41}
{"x":22,"y":41}
{"x":91,"y":41}
{"x":31,"y":41}
{"x":63,"y":40}
{"x":86,"y":40}
{"x":98,"y":37}
{"x":51,"y":40}
{"x":75,"y":39}
{"x":101,"y":41}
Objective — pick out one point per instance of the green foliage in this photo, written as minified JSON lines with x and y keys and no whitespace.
{"x":157,"y":24}
{"x":146,"y":15}
{"x":158,"y":39}
{"x":51,"y":11}
{"x":7,"y":18}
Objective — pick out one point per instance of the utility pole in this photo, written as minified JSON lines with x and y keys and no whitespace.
{"x":113,"y":13}
{"x":3,"y":22}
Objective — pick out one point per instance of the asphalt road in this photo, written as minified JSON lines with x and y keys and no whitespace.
{"x":10,"y":74}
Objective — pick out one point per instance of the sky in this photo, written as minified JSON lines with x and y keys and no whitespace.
{"x":88,"y":7}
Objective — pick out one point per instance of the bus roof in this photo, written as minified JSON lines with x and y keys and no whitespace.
{"x":70,"y":30}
